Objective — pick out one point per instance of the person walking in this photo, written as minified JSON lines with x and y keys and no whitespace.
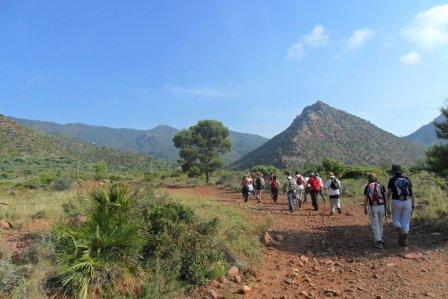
{"x":307,"y":188}
{"x":259,"y":186}
{"x":333,"y":185}
{"x":275,"y":186}
{"x":271,"y":178}
{"x":250,"y":183}
{"x":376,"y":206}
{"x":315,"y":190}
{"x":399,"y":189}
{"x":300,"y":181}
{"x":290,"y":188}
{"x":245,"y":188}
{"x":321,"y":188}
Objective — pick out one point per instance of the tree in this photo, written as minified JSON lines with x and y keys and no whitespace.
{"x":200,"y":147}
{"x":101,"y":170}
{"x":437,"y":155}
{"x":334,"y":166}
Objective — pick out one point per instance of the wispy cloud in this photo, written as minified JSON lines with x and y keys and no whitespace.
{"x":295,"y":52}
{"x":318,"y":37}
{"x":200,"y":91}
{"x":410,"y":58}
{"x":359,"y":37}
{"x":429,"y":28}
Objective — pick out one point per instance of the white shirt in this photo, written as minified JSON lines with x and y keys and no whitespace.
{"x":321,"y":181}
{"x":332,"y":191}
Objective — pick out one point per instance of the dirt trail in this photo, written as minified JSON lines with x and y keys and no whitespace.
{"x":324,"y":256}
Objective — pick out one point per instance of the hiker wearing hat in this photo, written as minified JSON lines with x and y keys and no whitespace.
{"x":333,"y":185}
{"x":399,"y":189}
{"x":375,"y":206}
{"x":315,"y":189}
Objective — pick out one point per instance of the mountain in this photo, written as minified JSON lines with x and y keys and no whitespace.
{"x":426,"y":135}
{"x":322,"y":131}
{"x":157,"y":142}
{"x":37,"y":149}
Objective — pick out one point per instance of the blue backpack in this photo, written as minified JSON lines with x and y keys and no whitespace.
{"x":402,"y":187}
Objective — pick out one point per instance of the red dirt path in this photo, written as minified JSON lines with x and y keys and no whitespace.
{"x":324,"y":256}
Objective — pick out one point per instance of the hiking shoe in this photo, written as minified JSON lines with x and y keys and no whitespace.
{"x":379,"y":245}
{"x":339,"y":211}
{"x":402,"y":240}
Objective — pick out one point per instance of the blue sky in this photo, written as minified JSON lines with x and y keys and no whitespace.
{"x":254,"y":65}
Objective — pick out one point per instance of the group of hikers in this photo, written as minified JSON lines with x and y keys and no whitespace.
{"x":397,"y":200}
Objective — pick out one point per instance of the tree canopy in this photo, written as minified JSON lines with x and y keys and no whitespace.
{"x":201,"y":146}
{"x":437,"y":155}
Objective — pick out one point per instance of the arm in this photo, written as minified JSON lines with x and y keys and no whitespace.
{"x":366,"y":204}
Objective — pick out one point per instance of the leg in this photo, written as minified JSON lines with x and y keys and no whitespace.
{"x":381,"y":215}
{"x":332,"y":206}
{"x":396,"y":213}
{"x":314,"y":200}
{"x":406,"y":215}
{"x":290,"y":201}
{"x":338,"y":205}
{"x":321,"y":192}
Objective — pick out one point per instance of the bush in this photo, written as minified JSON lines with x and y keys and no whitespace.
{"x":63,"y":183}
{"x":105,"y":247}
{"x":265,"y":169}
{"x":186,"y":247}
{"x":101,"y":170}
{"x":334,"y":166}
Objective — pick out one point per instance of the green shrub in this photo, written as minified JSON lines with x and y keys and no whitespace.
{"x":11,"y":276}
{"x":265,"y":169}
{"x":103,"y":248}
{"x":101,"y":170}
{"x":330,"y":165}
{"x":63,"y":183}
{"x":183,"y":244}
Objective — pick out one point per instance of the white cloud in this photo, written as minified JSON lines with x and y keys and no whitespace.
{"x":429,"y":28}
{"x":359,"y":36}
{"x":318,"y":37}
{"x":200,"y":91}
{"x":295,"y":52}
{"x":410,"y":58}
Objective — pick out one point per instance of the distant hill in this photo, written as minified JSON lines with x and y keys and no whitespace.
{"x":157,"y":142}
{"x":323,"y":131}
{"x":426,"y":135}
{"x":22,"y":145}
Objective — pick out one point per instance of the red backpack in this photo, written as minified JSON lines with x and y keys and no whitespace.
{"x":315,"y":184}
{"x":375,"y":194}
{"x":275,"y":184}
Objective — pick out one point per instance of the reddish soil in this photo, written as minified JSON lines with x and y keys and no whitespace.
{"x":333,"y":256}
{"x":17,"y":240}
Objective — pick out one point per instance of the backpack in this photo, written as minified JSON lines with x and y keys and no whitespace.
{"x":260,"y":183}
{"x":402,"y":187}
{"x":375,"y":193}
{"x":275,"y":185}
{"x":292,"y":185}
{"x":315,"y":184}
{"x":299,"y":180}
{"x":335,"y":185}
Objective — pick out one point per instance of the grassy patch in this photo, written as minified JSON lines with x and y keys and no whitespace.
{"x":239,"y":234}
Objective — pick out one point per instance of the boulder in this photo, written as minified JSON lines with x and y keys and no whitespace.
{"x":267,"y":240}
{"x":233,"y":271}
{"x":5,"y":224}
{"x":245,"y":289}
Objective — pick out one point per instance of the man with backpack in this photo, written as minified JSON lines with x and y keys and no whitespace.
{"x":259,"y":186}
{"x":275,"y":186}
{"x":245,"y":188}
{"x":333,"y":185}
{"x":399,"y":189}
{"x":315,"y":189}
{"x":290,"y":188}
{"x":375,"y":205}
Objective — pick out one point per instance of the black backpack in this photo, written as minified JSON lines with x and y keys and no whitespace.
{"x":259,"y":183}
{"x":335,"y":185}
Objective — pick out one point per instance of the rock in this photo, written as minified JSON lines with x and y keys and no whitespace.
{"x":245,"y":289}
{"x":223,"y":280}
{"x":428,"y":294}
{"x":349,"y":260}
{"x":5,"y":224}
{"x":304,"y":294}
{"x":390,"y":265}
{"x":212,"y":294}
{"x":267,"y":240}
{"x":331,"y":293}
{"x":379,"y":297}
{"x":300,"y":263}
{"x":237,"y":279}
{"x":304,"y":259}
{"x":79,"y":220}
{"x":376,"y":276}
{"x":233,"y":271}
{"x":284,"y":297}
{"x":412,"y":255}
{"x":279,"y":238}
{"x":288,"y":281}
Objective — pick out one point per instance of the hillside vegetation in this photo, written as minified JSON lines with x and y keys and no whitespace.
{"x":31,"y":151}
{"x":157,"y":142}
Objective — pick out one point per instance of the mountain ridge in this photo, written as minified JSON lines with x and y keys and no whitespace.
{"x":426,"y":135}
{"x":323,"y":131}
{"x":156,"y":142}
